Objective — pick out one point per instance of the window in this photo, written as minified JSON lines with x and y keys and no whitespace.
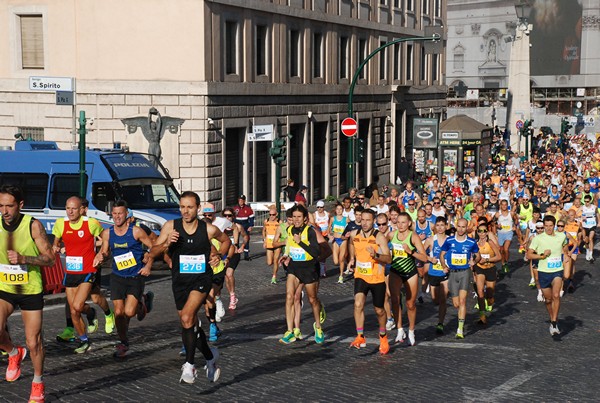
{"x":344,"y":62}
{"x":362,"y":55}
{"x":425,"y":7}
{"x":32,"y":133}
{"x":261,"y":50}
{"x":103,"y":194}
{"x":294,"y":53}
{"x":318,"y":55}
{"x":435,"y":67}
{"x":410,"y":5}
{"x":32,"y":41}
{"x":459,"y":61}
{"x":438,"y":8}
{"x":409,"y":62}
{"x":397,"y":58}
{"x":62,"y":189}
{"x":424,"y":59}
{"x":231,"y":48}
{"x":34,"y":186}
{"x":382,"y":61}
{"x":397,"y":3}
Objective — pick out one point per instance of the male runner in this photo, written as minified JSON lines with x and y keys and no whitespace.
{"x":24,"y":248}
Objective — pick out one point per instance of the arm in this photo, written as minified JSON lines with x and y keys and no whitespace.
{"x":242,"y":232}
{"x":313,"y":246}
{"x":351,"y":251}
{"x":140,"y":235}
{"x":103,"y":252}
{"x":167,"y":236}
{"x":497,"y":256}
{"x":277,"y":243}
{"x":264,"y":234}
{"x":215,"y":233}
{"x":56,"y":244}
{"x":46,"y":256}
{"x":384,"y":257}
{"x":420,"y":252}
{"x":325,"y":249}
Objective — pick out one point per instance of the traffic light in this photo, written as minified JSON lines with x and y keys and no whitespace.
{"x":565,"y":126}
{"x":527,"y":128}
{"x":278,"y":150}
{"x":360,"y":150}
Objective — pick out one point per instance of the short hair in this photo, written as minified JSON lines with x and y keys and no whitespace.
{"x":395,"y":209}
{"x":85,"y":202}
{"x":300,"y":208}
{"x":441,"y":219}
{"x":288,"y":213}
{"x":14,"y":191}
{"x":359,"y":209}
{"x":121,"y":203}
{"x":189,"y":193}
{"x":229,"y":209}
{"x":549,"y":218}
{"x":369,"y":211}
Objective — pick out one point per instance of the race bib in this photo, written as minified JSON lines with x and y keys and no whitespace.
{"x":297,"y":254}
{"x":74,"y":263}
{"x":192,"y":264}
{"x":506,"y":228}
{"x":459,"y":259}
{"x":364,"y":268}
{"x":485,"y":256}
{"x":437,"y":266}
{"x":590,"y":222}
{"x":125,"y":261}
{"x":13,"y":274}
{"x":399,"y":251}
{"x":338,"y":229}
{"x":554,"y":262}
{"x":270,"y":239}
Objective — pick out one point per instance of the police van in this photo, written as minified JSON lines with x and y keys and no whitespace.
{"x":48,"y":176}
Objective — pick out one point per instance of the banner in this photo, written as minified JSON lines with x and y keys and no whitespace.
{"x":425,"y":133}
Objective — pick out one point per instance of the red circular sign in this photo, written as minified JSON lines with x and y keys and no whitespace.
{"x":349,"y":127}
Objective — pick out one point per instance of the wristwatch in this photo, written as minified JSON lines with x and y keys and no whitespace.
{"x":376,"y":255}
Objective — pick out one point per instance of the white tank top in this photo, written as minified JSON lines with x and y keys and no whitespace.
{"x":504,"y":194}
{"x":505,"y":222}
{"x":322,"y":221}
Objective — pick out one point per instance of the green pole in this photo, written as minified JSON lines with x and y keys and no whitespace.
{"x":82,"y":131}
{"x":278,"y":178}
{"x":350,"y":158}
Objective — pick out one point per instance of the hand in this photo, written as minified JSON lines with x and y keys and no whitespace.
{"x":351,"y":263}
{"x":173,"y":237}
{"x":15,"y":258}
{"x":146,"y":257}
{"x":98,"y":259}
{"x":297,"y":238}
{"x":55,"y":249}
{"x":371,"y":251}
{"x":145,"y":271}
{"x":547,"y":252}
{"x":285,"y":260}
{"x":215,"y":259}
{"x":249,"y":230}
{"x":239,"y":250}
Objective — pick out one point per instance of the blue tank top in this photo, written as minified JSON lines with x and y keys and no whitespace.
{"x":127,"y":253}
{"x":519,"y":193}
{"x":406,"y":197}
{"x":435,"y":269}
{"x":339,"y":225}
{"x":427,"y":230}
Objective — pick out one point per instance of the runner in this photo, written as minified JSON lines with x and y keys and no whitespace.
{"x":506,"y":226}
{"x":300,"y":253}
{"x":24,"y":248}
{"x":244,"y":215}
{"x":320,"y":219}
{"x":236,"y":233}
{"x":549,"y":248}
{"x":574,"y":233}
{"x":268,"y":234}
{"x":462,"y":253}
{"x":590,"y":217}
{"x":438,"y":279}
{"x":78,"y":233}
{"x":188,"y":242}
{"x":369,"y":251}
{"x":485,"y":272}
{"x":130,"y":266}
{"x":423,"y":229}
{"x":406,"y":248}
{"x":337,"y":226}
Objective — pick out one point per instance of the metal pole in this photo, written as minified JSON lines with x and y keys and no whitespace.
{"x":82,"y":131}
{"x":278,"y":187}
{"x":351,"y":140}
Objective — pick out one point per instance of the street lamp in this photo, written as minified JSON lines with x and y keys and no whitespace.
{"x":523,"y":9}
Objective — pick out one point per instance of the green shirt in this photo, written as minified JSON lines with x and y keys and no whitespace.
{"x":555,"y":243}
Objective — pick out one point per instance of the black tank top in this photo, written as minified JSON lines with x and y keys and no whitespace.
{"x":189,"y":245}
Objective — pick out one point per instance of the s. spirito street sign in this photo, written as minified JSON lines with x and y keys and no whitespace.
{"x":51,"y":83}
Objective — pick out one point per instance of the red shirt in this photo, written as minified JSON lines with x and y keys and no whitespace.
{"x":80,"y":248}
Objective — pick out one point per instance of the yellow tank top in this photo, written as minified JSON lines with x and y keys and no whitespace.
{"x":486,"y":252}
{"x":367,"y":268}
{"x":19,"y":279}
{"x":271,"y":229}
{"x":572,"y":229}
{"x":295,"y":251}
{"x":221,"y":266}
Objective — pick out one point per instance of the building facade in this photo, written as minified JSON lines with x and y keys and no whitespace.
{"x":237,"y":71}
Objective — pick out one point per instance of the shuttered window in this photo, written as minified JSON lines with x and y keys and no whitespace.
{"x":32,"y":41}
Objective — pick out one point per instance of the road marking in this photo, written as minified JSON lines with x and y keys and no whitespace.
{"x":500,"y":393}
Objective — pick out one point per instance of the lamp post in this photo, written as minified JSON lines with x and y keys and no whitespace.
{"x":519,"y":74}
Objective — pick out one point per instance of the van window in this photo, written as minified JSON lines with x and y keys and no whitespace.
{"x":63,"y":187}
{"x":102,"y":193}
{"x":150,"y":196}
{"x":34,"y":187}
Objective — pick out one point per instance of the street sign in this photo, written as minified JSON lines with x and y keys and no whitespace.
{"x":64,"y":98}
{"x":51,"y":83}
{"x":519,"y":124}
{"x":349,"y":127}
{"x":261,"y":133}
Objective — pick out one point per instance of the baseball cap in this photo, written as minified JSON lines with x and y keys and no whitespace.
{"x":320,"y":203}
{"x":242,"y":197}
{"x":526,"y":196}
{"x":208,"y":208}
{"x":129,"y":213}
{"x":303,"y":187}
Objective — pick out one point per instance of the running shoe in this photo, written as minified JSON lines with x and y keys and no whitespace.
{"x":3,"y":352}
{"x":82,"y":347}
{"x":121,"y":351}
{"x":341,"y":280}
{"x":288,"y":338}
{"x":273,"y":280}
{"x":188,"y":373}
{"x":532,"y":283}
{"x":389,"y":324}
{"x":505,"y":268}
{"x":489,"y":307}
{"x":13,"y":372}
{"x":384,"y":345}
{"x":38,"y":393}
{"x":420,"y":299}
{"x":400,"y":336}
{"x":359,"y":342}
{"x":232,"y":301}
{"x":459,"y":334}
{"x":149,"y":301}
{"x":213,"y":372}
{"x":109,"y":325}
{"x":220,"y":310}
{"x":540,"y":296}
{"x":214,"y":332}
{"x":551,"y":330}
{"x":67,"y":335}
{"x":562,"y":292}
{"x":556,"y":330}
{"x":439,"y":329}
{"x":298,"y":334}
{"x":319,"y":336}
{"x":322,"y":314}
{"x":182,"y":352}
{"x":411,"y":337}
{"x":92,"y":321}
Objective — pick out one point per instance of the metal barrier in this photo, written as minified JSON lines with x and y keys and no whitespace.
{"x":52,"y":277}
{"x":261,"y":211}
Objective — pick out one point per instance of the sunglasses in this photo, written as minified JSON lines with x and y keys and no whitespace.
{"x":411,"y":205}
{"x":494,"y":194}
{"x":207,"y":215}
{"x":482,"y":231}
{"x":381,"y":224}
{"x":540,"y":228}
{"x":272,"y":214}
{"x":560,"y":225}
{"x":436,"y":203}
{"x":227,"y":215}
{"x":361,"y":198}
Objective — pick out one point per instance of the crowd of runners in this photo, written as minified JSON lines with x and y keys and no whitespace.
{"x":449,"y":238}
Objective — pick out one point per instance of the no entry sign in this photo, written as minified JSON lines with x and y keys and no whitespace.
{"x":349,"y":127}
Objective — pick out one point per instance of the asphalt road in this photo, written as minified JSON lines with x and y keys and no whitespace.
{"x":512,"y":359}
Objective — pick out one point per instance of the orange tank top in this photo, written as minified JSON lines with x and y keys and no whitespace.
{"x":367,"y":268}
{"x":572,"y":229}
{"x":271,"y":229}
{"x":486,"y":252}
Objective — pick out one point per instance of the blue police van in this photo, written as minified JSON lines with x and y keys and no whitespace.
{"x":49,"y":176}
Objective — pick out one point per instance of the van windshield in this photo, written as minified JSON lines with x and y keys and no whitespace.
{"x":149,"y":195}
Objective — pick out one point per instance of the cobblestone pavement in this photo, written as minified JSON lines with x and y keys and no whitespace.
{"x":514,"y":358}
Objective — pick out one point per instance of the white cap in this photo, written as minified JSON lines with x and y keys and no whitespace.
{"x":320,"y":203}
